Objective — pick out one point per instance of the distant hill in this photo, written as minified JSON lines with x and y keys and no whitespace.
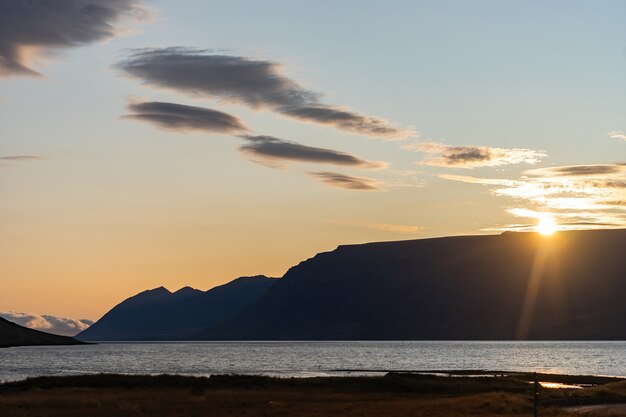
{"x":159,"y":314}
{"x":12,"y":335}
{"x":570,"y":286}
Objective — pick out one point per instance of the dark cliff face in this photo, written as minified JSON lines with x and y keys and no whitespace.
{"x":159,"y":314}
{"x":571,"y":285}
{"x":12,"y":334}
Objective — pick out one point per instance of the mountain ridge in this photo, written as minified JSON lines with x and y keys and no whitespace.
{"x":459,"y":287}
{"x":159,"y":314}
{"x":516,"y":285}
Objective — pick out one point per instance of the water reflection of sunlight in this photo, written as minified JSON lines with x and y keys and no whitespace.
{"x":558,"y":385}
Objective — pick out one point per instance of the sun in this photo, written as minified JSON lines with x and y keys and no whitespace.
{"x":546,"y":226}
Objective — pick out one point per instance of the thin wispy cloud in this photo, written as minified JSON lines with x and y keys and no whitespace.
{"x":51,"y":324}
{"x":591,"y":170}
{"x":403,"y":178}
{"x":577,"y":196}
{"x":450,"y":156}
{"x":385,"y":227}
{"x":20,"y":158}
{"x":617,"y":134}
{"x":337,"y":180}
{"x":273,"y":151}
{"x":258,"y":84}
{"x":29,"y":28}
{"x":181,"y":118}
{"x":475,"y":180}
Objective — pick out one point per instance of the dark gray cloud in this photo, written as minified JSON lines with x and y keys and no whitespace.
{"x":52,"y":324}
{"x":19,"y":158}
{"x":473,"y":156}
{"x":335,"y":179}
{"x":237,"y":79}
{"x":28,"y":26}
{"x":344,"y":120}
{"x":178,"y":117}
{"x":466,"y":155}
{"x":271,"y":149}
{"x":255,"y":83}
{"x":579,"y":170}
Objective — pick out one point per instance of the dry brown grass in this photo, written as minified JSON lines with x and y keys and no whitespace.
{"x":276,"y":402}
{"x":395,"y":394}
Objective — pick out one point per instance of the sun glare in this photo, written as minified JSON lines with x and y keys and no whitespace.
{"x":546,"y":226}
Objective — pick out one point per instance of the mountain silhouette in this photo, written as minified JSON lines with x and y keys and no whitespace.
{"x":12,"y":335}
{"x":568,"y":286}
{"x":159,"y":314}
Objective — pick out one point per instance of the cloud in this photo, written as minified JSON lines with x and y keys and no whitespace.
{"x":181,"y":118}
{"x":596,"y":170}
{"x":29,"y":27}
{"x":272,"y":151}
{"x":474,"y":180}
{"x":617,"y":134}
{"x":5,"y":161}
{"x":268,"y":150}
{"x":577,"y":196}
{"x":57,"y":325}
{"x":385,"y":227}
{"x":395,"y":228}
{"x":473,"y":156}
{"x":347,"y":120}
{"x":256,"y":83}
{"x":337,"y":180}
{"x":403,"y":178}
{"x":20,"y":158}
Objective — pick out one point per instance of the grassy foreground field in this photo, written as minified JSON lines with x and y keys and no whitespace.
{"x":390,"y":395}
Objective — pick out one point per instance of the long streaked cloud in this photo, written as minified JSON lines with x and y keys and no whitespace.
{"x":6,"y":161}
{"x":395,"y":228}
{"x":258,"y":84}
{"x":617,"y":134}
{"x":273,"y":151}
{"x":30,"y":27}
{"x":182,"y":118}
{"x":347,"y":120}
{"x":450,"y":156}
{"x":19,"y":158}
{"x":484,"y":181}
{"x":577,"y":196}
{"x":384,"y":227}
{"x":591,"y":170}
{"x":52,"y":324}
{"x":267,"y":150}
{"x":337,"y":180}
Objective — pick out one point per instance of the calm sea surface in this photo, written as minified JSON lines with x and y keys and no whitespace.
{"x":313,"y":358}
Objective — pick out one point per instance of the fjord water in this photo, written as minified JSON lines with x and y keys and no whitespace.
{"x":313,"y":358}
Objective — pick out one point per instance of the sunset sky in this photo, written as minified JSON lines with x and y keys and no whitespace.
{"x":192,"y":142}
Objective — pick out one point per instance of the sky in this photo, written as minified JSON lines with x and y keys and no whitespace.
{"x":174,"y":143}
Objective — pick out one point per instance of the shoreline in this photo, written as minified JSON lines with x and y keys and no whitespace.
{"x":583,"y":380}
{"x":394,"y":393}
